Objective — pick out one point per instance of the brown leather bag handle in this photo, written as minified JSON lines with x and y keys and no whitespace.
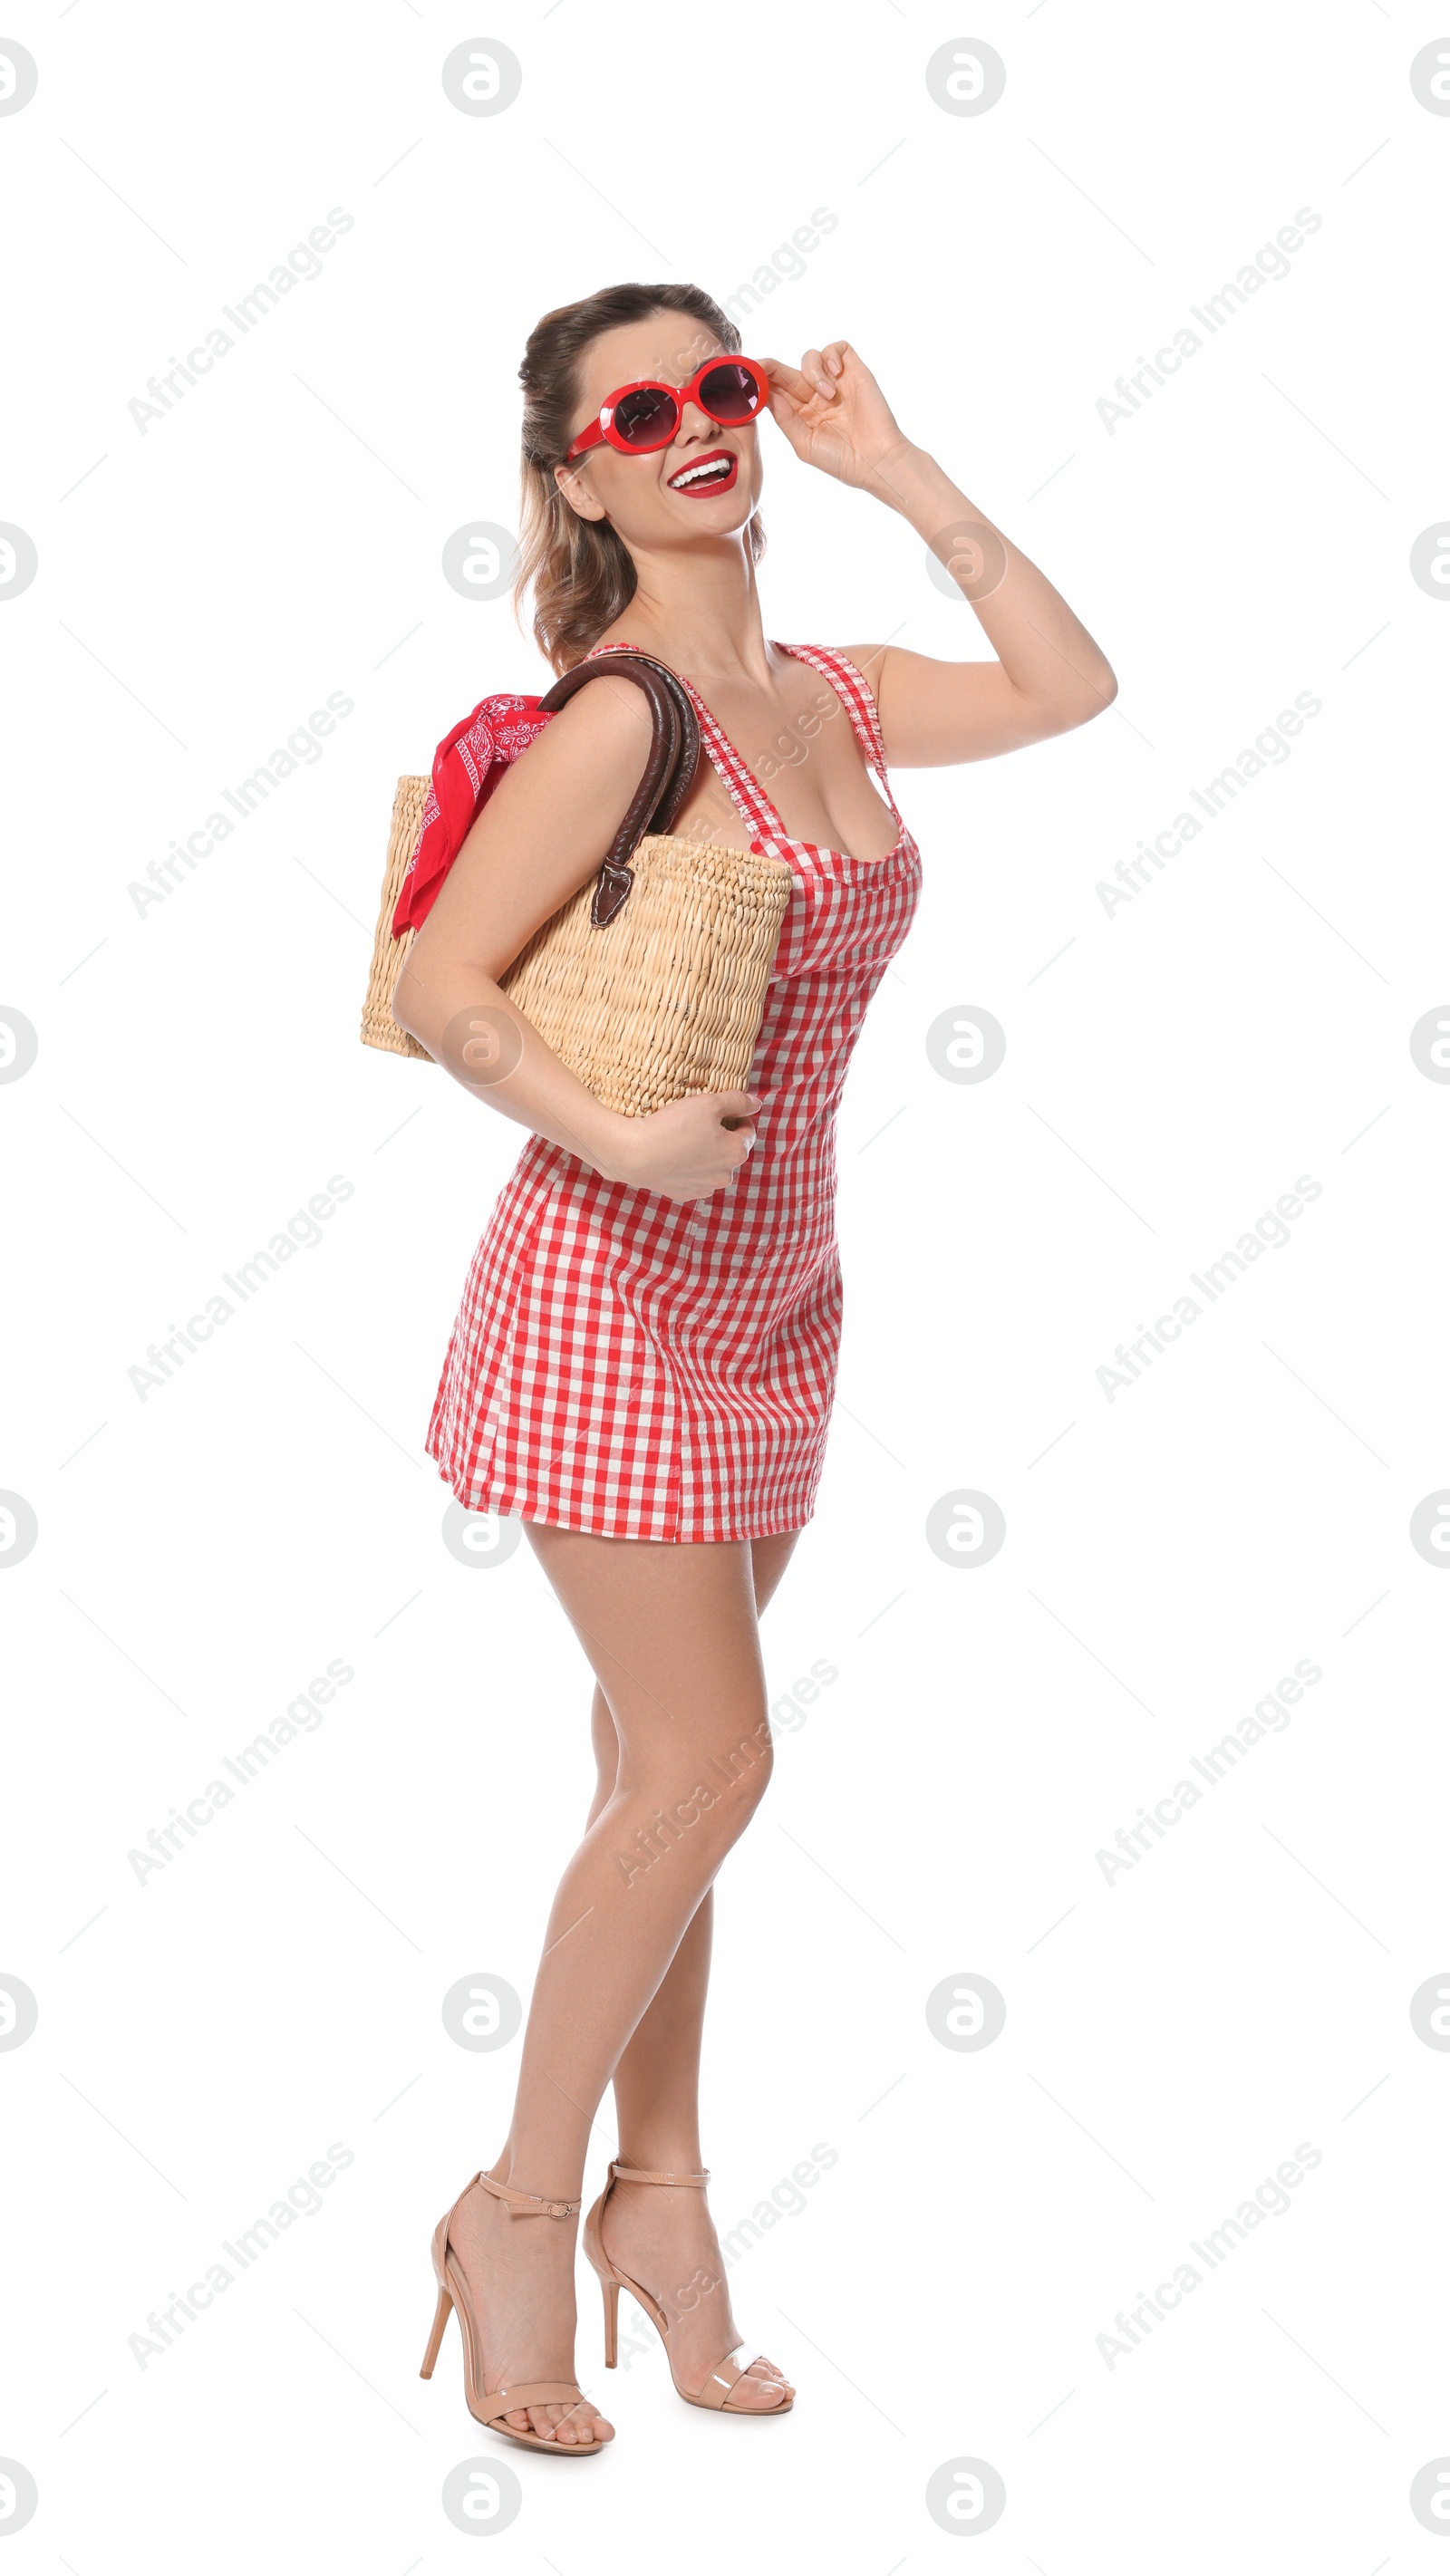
{"x":674,"y":751}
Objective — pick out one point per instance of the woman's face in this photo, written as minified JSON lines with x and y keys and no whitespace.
{"x":661,"y":499}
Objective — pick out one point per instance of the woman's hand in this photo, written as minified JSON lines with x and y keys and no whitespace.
{"x":1048,"y":675}
{"x":835,"y":414}
{"x":684,"y":1151}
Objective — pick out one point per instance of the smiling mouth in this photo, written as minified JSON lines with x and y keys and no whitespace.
{"x":709,"y":474}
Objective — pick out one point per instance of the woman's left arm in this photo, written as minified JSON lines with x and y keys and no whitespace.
{"x":1048,"y":676}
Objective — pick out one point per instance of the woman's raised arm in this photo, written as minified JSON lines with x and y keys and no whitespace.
{"x":1048,"y":676}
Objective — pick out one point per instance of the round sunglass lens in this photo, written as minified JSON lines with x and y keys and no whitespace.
{"x":647,"y":418}
{"x":731,"y":393}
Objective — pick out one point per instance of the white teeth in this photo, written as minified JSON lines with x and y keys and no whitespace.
{"x":717,"y":468}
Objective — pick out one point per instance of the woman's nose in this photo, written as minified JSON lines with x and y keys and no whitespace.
{"x":694,"y":423}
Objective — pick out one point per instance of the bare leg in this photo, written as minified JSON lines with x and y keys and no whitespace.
{"x":671,"y":1634}
{"x":656,"y":2083}
{"x":666,"y":2239}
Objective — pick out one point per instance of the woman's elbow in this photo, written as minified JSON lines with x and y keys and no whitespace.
{"x":409,"y":1006}
{"x":1093,"y":695}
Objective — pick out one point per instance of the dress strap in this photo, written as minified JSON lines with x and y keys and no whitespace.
{"x":855,"y":693}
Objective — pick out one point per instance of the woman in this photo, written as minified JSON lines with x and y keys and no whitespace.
{"x":644,"y":1361}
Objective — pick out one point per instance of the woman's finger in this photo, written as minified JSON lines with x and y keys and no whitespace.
{"x":787,"y":380}
{"x":788,"y":412}
{"x":814,"y":366}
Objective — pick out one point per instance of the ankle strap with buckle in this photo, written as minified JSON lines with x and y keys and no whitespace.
{"x":527,"y":2204}
{"x":632,"y":2173}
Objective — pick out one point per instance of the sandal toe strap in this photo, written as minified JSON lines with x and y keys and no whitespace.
{"x":531,"y":2392}
{"x":722,"y":2379}
{"x":729,"y":2372}
{"x":716,"y":2391}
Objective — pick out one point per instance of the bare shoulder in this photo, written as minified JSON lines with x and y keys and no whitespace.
{"x":881,"y":664}
{"x":870,"y":660}
{"x":545,"y":828}
{"x":609,"y":688}
{"x":596,"y":745}
{"x":611,"y":715}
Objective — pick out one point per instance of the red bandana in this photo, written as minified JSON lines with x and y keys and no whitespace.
{"x":467,"y":767}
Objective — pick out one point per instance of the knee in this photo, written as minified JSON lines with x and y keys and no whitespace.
{"x":727,"y":1778}
{"x":740,"y":1771}
{"x":708,"y":1805}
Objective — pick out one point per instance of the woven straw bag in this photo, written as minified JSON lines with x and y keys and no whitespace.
{"x":650,"y":983}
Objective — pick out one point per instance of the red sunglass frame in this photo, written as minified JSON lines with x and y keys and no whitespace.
{"x":601,"y":429}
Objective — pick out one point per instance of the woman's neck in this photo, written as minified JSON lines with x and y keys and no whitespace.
{"x":698,"y":609}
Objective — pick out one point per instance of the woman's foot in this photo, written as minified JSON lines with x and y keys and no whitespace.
{"x":665,"y":2239}
{"x":520,"y":2276}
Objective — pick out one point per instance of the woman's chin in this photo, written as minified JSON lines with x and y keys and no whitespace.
{"x":728,"y":515}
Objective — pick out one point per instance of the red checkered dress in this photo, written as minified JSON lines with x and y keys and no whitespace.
{"x":642,"y":1367}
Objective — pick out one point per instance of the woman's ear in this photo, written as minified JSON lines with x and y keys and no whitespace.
{"x":574,"y":484}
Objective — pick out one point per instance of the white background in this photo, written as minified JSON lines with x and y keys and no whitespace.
{"x":1172,"y":1067}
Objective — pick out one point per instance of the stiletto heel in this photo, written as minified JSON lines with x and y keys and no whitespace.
{"x":490,"y":2405}
{"x":716,"y":2392}
{"x":440,"y":2320}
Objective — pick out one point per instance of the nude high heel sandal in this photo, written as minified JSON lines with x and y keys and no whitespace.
{"x":716,"y":2391}
{"x":490,"y":2405}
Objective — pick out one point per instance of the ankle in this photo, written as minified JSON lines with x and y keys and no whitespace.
{"x":533,"y":2174}
{"x":660,"y":2156}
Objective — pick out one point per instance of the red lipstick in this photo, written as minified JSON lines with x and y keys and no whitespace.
{"x":705,"y":478}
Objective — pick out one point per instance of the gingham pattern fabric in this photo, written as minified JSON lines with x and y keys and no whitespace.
{"x":641,"y":1367}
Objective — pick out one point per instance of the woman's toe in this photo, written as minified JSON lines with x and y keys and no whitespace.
{"x":574,"y":2427}
{"x":760,"y":2395}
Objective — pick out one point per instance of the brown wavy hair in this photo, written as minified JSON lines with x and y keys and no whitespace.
{"x":580,"y":570}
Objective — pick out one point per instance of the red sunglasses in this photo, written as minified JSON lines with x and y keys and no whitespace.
{"x":641,"y":417}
